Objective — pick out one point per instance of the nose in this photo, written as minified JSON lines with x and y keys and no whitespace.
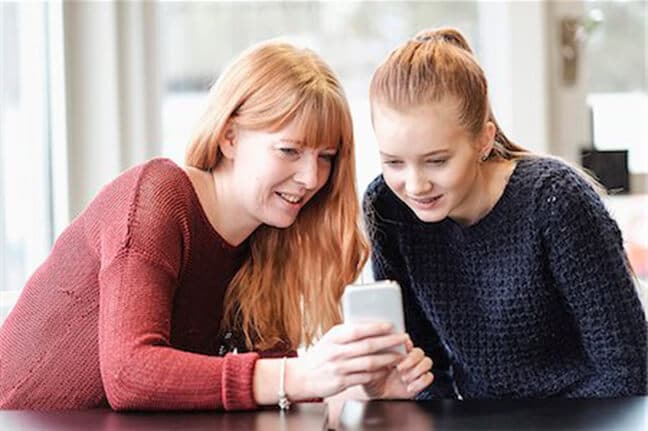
{"x":416,"y":184}
{"x":307,"y":172}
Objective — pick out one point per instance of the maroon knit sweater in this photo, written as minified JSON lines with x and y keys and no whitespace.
{"x":127,"y":308}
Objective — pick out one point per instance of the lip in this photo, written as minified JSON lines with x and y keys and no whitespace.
{"x":292,"y":205}
{"x":426,"y":203}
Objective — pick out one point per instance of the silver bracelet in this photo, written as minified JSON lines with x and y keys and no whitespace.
{"x":284,"y":403}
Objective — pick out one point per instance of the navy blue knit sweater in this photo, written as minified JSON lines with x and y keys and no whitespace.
{"x":534,"y":300}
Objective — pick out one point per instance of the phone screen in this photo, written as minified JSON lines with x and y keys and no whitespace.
{"x":375,"y":302}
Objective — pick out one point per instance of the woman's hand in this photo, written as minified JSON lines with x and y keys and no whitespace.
{"x":347,"y":355}
{"x":407,"y":379}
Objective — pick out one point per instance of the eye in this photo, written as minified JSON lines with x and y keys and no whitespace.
{"x":327,"y":157}
{"x":436,"y":162}
{"x":393,"y":163}
{"x":289,"y":152}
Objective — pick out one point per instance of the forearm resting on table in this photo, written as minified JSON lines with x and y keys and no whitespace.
{"x":266,"y":384}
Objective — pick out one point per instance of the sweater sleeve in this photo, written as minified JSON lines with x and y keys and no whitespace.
{"x":144,"y":246}
{"x":387,"y":264}
{"x":139,"y":368}
{"x":590,"y":268}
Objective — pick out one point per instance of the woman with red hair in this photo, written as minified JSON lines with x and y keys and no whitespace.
{"x":191,"y":287}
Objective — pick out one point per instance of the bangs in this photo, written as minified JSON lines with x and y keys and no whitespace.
{"x":320,"y":119}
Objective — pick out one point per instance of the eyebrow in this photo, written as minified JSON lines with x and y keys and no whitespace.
{"x":431,"y":153}
{"x":292,"y":141}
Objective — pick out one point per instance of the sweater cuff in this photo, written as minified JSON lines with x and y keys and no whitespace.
{"x":237,"y":381}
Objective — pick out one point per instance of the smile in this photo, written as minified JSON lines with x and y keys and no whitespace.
{"x":425,"y":203}
{"x":292,"y":199}
{"x":426,"y":200}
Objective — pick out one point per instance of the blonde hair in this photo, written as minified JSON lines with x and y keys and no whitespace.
{"x":436,"y":64}
{"x":289,"y":287}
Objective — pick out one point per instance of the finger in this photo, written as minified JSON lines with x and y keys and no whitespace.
{"x":421,"y":368}
{"x":349,"y":332}
{"x":409,"y":345}
{"x":421,"y":383}
{"x":372,"y":345}
{"x":413,"y":357}
{"x":369,"y":363}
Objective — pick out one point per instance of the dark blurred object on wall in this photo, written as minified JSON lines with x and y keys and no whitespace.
{"x":609,"y":167}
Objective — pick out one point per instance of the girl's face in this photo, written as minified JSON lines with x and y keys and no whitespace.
{"x":275,"y":175}
{"x":429,"y":161}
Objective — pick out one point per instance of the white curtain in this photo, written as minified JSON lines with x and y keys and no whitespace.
{"x":112,"y":93}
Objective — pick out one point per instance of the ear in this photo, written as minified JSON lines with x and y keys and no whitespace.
{"x":228,"y":141}
{"x":486,"y":140}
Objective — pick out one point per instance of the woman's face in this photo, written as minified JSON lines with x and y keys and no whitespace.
{"x":276,"y":175}
{"x":428,"y":160}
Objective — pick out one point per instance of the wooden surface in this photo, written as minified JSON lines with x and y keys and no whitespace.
{"x":300,"y":417}
{"x":624,"y":414}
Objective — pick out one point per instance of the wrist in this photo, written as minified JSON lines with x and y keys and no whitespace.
{"x":294,"y":381}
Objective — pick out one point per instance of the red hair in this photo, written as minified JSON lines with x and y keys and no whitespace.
{"x":436,"y":64}
{"x":289,"y":288}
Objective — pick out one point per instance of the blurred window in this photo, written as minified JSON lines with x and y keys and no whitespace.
{"x":25,"y":204}
{"x":199,"y":39}
{"x":616,"y":60}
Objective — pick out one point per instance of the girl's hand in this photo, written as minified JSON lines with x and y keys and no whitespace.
{"x":347,"y":355}
{"x":407,"y":379}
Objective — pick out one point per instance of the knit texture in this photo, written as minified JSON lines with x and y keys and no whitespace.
{"x":127,"y":308}
{"x":534,"y":300}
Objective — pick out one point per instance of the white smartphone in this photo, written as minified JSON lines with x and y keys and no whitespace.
{"x":375,"y":302}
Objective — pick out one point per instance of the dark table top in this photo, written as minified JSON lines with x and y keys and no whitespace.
{"x":300,"y":417}
{"x":623,"y":414}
